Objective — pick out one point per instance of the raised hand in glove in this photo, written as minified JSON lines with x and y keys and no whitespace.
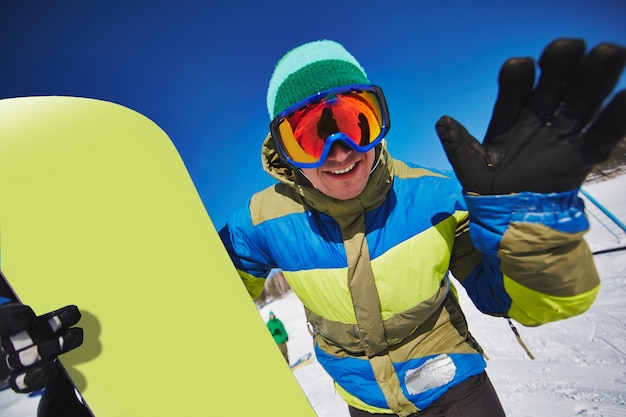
{"x":31,"y":344}
{"x":547,"y":138}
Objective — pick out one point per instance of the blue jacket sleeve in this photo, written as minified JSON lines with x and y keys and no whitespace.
{"x":535,"y":264}
{"x":246,"y":250}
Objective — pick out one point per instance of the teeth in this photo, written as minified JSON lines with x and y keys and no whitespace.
{"x":343,"y":171}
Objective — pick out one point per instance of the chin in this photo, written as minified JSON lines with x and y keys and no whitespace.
{"x":345,"y":194}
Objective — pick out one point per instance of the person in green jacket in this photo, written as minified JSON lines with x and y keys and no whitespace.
{"x":279,"y":333}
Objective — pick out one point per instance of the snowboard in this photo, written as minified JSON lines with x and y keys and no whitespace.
{"x":97,"y":209}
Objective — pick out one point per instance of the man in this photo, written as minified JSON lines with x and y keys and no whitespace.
{"x":279,"y":333}
{"x":372,"y":242}
{"x":369,"y":243}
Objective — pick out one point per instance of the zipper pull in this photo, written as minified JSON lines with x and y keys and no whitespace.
{"x":519,"y":339}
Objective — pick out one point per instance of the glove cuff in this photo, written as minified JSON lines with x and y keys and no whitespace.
{"x":491,"y":215}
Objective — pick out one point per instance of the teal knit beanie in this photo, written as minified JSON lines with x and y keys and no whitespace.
{"x":309,"y":69}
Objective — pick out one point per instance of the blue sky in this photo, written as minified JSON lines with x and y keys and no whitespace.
{"x":200,"y":69}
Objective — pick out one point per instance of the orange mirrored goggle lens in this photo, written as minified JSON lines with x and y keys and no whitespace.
{"x":302,"y":131}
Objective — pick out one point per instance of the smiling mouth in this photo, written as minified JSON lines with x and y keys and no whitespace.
{"x":344,"y":171}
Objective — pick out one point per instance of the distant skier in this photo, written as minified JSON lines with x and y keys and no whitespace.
{"x":279,"y":333}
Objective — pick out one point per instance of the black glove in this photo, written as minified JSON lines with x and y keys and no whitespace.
{"x":31,"y":344}
{"x":548,"y":138}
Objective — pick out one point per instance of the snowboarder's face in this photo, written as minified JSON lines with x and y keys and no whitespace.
{"x":344,"y":174}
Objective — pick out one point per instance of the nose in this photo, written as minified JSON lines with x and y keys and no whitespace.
{"x":339,"y":151}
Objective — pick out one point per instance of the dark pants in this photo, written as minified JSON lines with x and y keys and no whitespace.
{"x":283,"y":349}
{"x":474,"y":397}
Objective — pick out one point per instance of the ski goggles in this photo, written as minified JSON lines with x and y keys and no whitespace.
{"x":305,"y":132}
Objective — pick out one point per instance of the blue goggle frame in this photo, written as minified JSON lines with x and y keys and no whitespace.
{"x":340,"y":136}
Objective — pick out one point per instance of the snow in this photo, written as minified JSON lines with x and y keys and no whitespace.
{"x":580,"y":365}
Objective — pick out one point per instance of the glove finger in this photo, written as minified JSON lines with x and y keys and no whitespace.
{"x":557,"y":63}
{"x":34,"y":378}
{"x":45,"y":349}
{"x":515,"y":83}
{"x":596,"y":77}
{"x":466,"y":155}
{"x":50,"y":323}
{"x":607,"y":130}
{"x":44,"y":327}
{"x":15,"y":317}
{"x":454,"y":137}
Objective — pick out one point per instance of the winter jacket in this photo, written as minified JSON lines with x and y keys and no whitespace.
{"x":374,"y":272}
{"x":277,"y":330}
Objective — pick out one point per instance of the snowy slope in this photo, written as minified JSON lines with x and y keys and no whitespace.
{"x":580,"y":365}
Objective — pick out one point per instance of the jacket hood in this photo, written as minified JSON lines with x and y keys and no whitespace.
{"x":273,"y":165}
